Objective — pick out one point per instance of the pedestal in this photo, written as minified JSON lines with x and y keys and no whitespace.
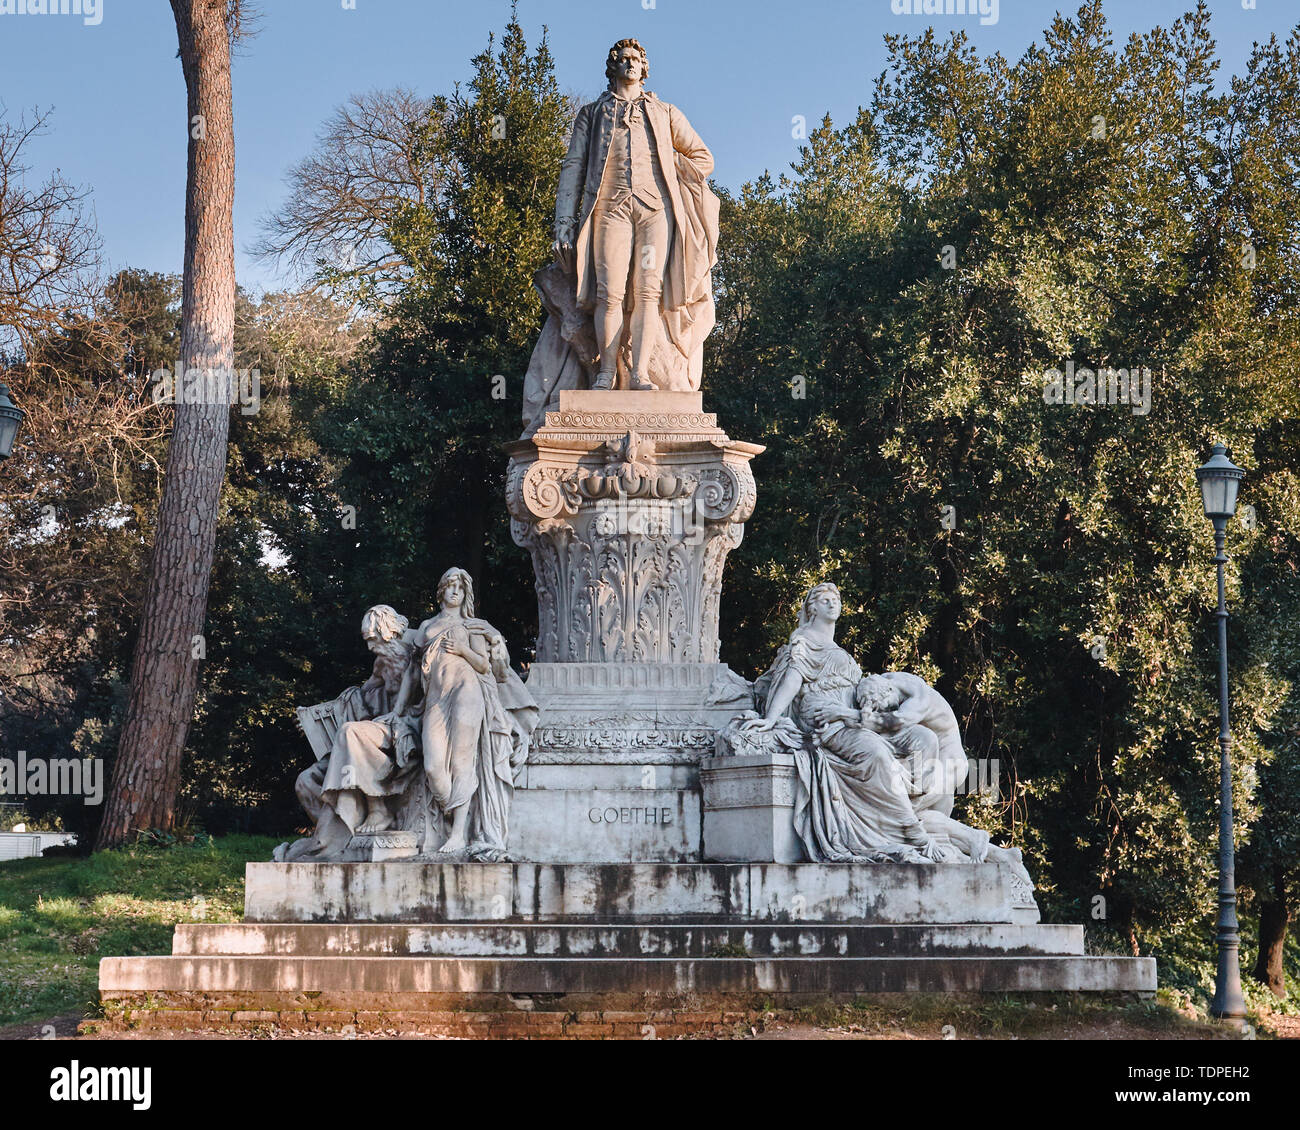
{"x":628,"y":504}
{"x":749,"y":808}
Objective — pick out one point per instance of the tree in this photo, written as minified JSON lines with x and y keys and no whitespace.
{"x":80,"y":496}
{"x":146,"y":774}
{"x":1269,"y":867}
{"x":283,"y":609}
{"x":419,"y":434}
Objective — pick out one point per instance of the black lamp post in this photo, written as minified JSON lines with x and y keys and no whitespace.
{"x":11,"y":418}
{"x":1220,"y":479}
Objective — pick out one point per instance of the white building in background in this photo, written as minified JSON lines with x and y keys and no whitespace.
{"x":18,"y":843}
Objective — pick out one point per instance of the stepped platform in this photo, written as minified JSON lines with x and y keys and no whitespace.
{"x":286,"y":977}
{"x":572,"y":950}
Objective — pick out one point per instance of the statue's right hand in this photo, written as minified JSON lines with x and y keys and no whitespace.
{"x":563,"y":246}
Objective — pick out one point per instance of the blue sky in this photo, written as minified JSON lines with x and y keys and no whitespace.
{"x":740,"y":69}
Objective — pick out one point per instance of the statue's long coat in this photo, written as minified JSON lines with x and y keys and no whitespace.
{"x":682,"y":157}
{"x":565,"y":354}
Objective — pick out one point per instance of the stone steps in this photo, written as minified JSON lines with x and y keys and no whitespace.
{"x":779,"y":977}
{"x":623,"y":940}
{"x":434,"y":948}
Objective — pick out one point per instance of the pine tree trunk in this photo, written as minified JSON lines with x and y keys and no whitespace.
{"x":1274,"y":917}
{"x":164,"y":674}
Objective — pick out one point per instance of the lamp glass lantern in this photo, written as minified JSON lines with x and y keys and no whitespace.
{"x":1220,"y":479}
{"x":11,"y":417}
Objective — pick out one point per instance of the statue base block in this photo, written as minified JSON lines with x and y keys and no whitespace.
{"x":613,"y":770}
{"x":748,"y":808}
{"x":579,"y":825}
{"x":893,"y":894}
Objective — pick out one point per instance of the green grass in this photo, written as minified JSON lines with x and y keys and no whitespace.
{"x":59,"y":916}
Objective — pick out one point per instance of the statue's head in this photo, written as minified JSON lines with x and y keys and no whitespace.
{"x":821,"y":603}
{"x":456,"y":591}
{"x":382,"y":624}
{"x":627,"y":60}
{"x":877,"y":693}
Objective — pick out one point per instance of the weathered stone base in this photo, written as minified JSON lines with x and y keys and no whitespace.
{"x":730,"y":892}
{"x":621,"y":940}
{"x":596,"y":950}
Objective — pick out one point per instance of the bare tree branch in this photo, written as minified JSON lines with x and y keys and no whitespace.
{"x":49,"y":248}
{"x":366,"y":167}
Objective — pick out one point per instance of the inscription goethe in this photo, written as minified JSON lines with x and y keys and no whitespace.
{"x":651,"y":816}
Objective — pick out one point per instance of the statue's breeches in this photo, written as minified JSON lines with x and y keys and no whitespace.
{"x":631,"y":244}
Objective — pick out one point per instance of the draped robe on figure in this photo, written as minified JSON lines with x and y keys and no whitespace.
{"x":472,"y":731}
{"x":851,"y":800}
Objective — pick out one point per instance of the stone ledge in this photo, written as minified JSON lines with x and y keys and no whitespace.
{"x":722,"y":975}
{"x":736,"y":893}
{"x":623,"y":401}
{"x":615,"y":940}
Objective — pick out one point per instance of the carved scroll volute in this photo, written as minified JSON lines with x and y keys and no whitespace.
{"x":549,"y":491}
{"x":748,"y":493}
{"x":725,"y":493}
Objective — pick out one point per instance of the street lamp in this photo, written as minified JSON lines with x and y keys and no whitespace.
{"x":1220,"y":479}
{"x":11,"y":418}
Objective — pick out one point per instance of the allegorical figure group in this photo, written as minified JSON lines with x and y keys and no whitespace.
{"x":879,"y":757}
{"x":430,"y":743}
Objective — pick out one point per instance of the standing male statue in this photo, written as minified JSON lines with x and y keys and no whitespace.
{"x":630,"y":294}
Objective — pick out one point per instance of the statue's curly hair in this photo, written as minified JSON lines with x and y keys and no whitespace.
{"x":877,"y":693}
{"x":612,"y":59}
{"x":387,"y":623}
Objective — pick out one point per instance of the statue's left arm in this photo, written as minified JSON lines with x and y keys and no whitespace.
{"x":688,"y":145}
